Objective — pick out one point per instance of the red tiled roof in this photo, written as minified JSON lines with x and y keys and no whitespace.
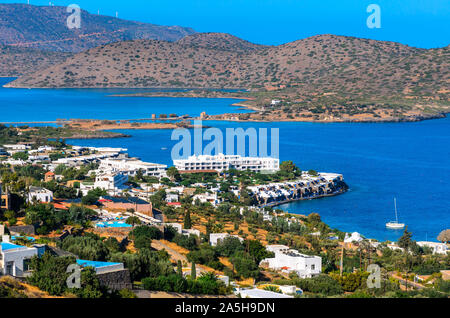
{"x":60,"y":206}
{"x":173,"y":203}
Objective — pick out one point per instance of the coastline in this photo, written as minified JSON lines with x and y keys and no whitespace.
{"x":256,"y":115}
{"x":234,"y":117}
{"x":277,"y":203}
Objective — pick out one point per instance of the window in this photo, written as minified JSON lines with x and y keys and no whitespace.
{"x":313,"y":267}
{"x":26,"y":264}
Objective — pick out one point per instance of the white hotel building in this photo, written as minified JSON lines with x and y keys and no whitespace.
{"x":223,"y":162}
{"x":131,"y":166}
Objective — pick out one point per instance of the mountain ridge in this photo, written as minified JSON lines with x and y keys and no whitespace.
{"x":44,"y":27}
{"x":322,"y":76}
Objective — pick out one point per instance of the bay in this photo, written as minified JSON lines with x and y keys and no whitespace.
{"x":379,"y":161}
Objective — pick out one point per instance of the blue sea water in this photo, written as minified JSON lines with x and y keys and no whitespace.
{"x":409,"y":161}
{"x":48,"y":105}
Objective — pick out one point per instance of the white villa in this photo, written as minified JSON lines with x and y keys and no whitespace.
{"x":223,"y":162}
{"x":215,"y":238}
{"x":290,"y":260}
{"x":14,"y":259}
{"x":438,"y":248}
{"x":40,"y":194}
{"x":207,"y":197}
{"x":180,"y":230}
{"x":354,"y":237}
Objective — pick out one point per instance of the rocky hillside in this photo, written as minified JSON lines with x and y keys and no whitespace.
{"x":324,"y":70}
{"x":219,"y":41}
{"x":16,"y":61}
{"x":44,"y":27}
{"x":325,"y":63}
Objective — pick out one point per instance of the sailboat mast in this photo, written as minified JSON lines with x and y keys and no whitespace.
{"x":395,"y":205}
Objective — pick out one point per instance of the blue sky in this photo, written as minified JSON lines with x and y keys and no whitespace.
{"x":421,"y":23}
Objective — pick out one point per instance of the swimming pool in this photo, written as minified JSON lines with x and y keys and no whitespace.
{"x":112,"y":224}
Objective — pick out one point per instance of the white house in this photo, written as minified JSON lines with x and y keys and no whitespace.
{"x":172,"y":197}
{"x":110,"y":181}
{"x":207,"y":197}
{"x":354,"y":237}
{"x":215,"y":238}
{"x":40,"y":194}
{"x":180,"y":230}
{"x":188,"y":232}
{"x":176,"y":226}
{"x":275,"y":102}
{"x":292,"y":261}
{"x":15,"y":259}
{"x":259,"y":293}
{"x":395,"y":247}
{"x":438,"y":248}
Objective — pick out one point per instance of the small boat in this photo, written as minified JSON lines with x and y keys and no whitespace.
{"x":163,"y":148}
{"x":394,"y":225}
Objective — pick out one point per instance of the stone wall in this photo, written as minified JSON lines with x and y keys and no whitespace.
{"x":26,"y":229}
{"x":116,"y":280}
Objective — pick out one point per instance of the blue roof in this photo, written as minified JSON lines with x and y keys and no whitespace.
{"x":133,"y":200}
{"x":95,"y":264}
{"x":9,"y":246}
{"x":29,"y":238}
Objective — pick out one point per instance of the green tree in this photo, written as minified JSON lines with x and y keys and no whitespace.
{"x":187,"y":220}
{"x":22,"y":155}
{"x":179,"y":269}
{"x":133,"y":220}
{"x":193,"y":271}
{"x":173,"y":174}
{"x":405,"y":240}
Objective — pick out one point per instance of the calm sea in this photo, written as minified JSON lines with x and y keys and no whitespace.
{"x":409,"y":161}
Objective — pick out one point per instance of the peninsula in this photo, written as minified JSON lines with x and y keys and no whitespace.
{"x":325,"y":78}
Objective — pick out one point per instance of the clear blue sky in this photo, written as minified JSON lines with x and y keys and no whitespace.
{"x":421,"y":23}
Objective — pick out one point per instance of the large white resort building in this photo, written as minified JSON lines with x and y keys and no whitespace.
{"x":223,"y":162}
{"x":131,"y":166}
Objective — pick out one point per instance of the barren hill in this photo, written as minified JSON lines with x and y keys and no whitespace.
{"x":219,"y":41}
{"x":44,"y":27}
{"x":321,"y":71}
{"x":16,"y":61}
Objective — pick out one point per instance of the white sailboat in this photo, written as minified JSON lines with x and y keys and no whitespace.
{"x":394,"y":224}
